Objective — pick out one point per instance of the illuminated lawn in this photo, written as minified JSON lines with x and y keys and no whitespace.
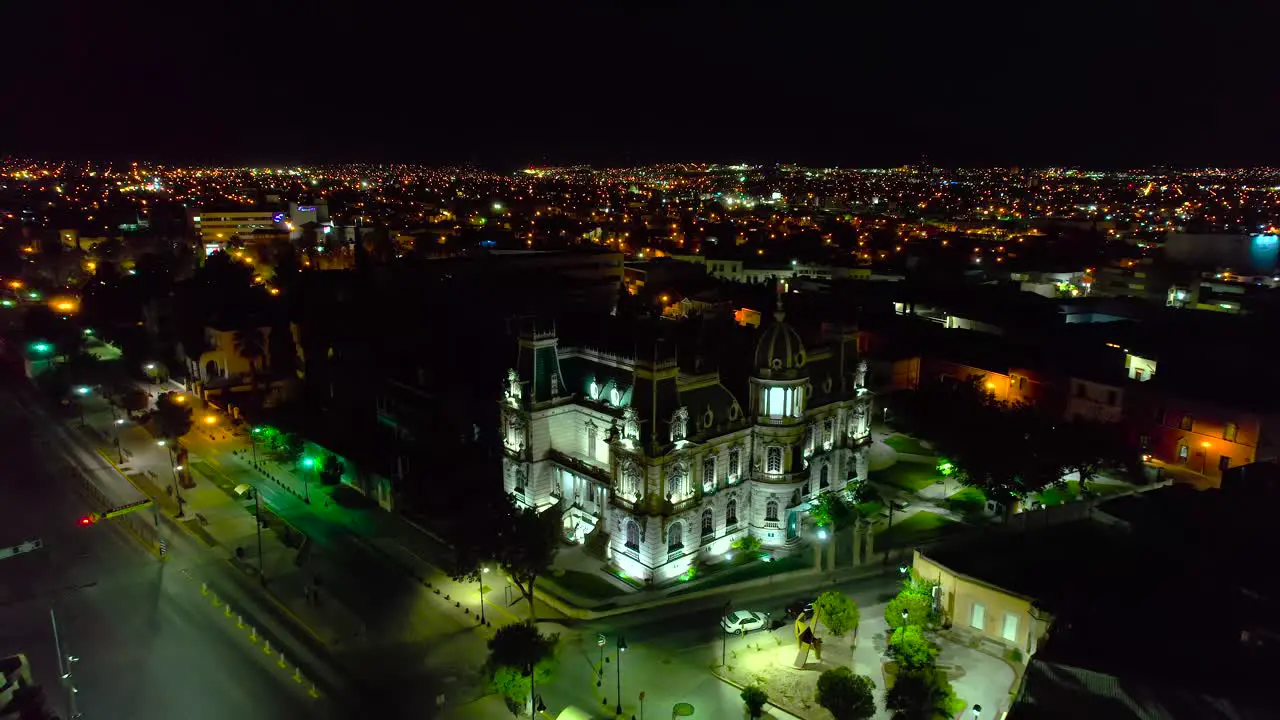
{"x":912,"y":477}
{"x":967,"y":501}
{"x":586,"y":585}
{"x":919,"y":528}
{"x":909,"y":445}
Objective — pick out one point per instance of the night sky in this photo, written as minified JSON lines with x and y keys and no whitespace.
{"x":636,"y":82}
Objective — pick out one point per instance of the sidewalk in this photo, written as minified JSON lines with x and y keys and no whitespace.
{"x":219,"y":520}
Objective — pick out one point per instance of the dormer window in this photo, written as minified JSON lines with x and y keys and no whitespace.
{"x":679,"y":425}
{"x":593,"y":390}
{"x":615,"y":397}
{"x":630,"y":425}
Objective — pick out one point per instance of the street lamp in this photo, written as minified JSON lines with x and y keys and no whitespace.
{"x":177,"y":494}
{"x":116,"y":426}
{"x":535,"y":700}
{"x":483,"y":571}
{"x":622,"y":647}
{"x":253,"y":442}
{"x":724,"y":634}
{"x":977,"y":712}
{"x":307,"y":463}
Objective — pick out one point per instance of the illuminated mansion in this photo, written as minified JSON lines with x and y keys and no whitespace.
{"x":656,"y":465}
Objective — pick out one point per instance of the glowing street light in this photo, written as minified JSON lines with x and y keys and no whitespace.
{"x":82,"y":390}
{"x":42,"y":347}
{"x":308,"y":463}
{"x":210,"y":419}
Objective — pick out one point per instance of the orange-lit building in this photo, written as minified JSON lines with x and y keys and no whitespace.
{"x":1204,"y":436}
{"x":1008,"y":384}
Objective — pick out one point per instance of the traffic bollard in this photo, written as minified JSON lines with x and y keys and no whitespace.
{"x":204,"y":588}
{"x":281,"y":662}
{"x":297,"y":674}
{"x":253,"y":634}
{"x":226,"y":609}
{"x":313,"y":692}
{"x":240,"y":621}
{"x":215,"y":601}
{"x":266,"y":646}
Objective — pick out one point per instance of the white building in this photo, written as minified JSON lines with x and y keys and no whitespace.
{"x":668,"y":465}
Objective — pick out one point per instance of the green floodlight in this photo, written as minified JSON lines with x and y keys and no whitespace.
{"x":88,"y":331}
{"x":41,"y":347}
{"x":7,"y":302}
{"x":308,"y":462}
{"x":82,"y":390}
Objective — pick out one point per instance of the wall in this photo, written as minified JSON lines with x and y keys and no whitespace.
{"x":1099,"y":402}
{"x":1160,"y":420}
{"x":960,"y":593}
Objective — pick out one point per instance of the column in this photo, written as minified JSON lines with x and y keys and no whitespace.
{"x":858,"y":542}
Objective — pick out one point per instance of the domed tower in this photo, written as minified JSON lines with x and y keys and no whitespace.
{"x":779,"y":384}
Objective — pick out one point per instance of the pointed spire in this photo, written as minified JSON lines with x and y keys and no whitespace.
{"x":778,"y":313}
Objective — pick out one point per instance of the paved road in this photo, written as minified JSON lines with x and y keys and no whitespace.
{"x":672,"y":649}
{"x":150,"y":646}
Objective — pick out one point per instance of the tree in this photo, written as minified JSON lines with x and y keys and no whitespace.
{"x":289,"y":447}
{"x":838,"y":611}
{"x":912,"y":648}
{"x":517,"y":653}
{"x":133,"y":400}
{"x":845,"y":695}
{"x":251,"y":344}
{"x":331,"y":470}
{"x":528,"y":549}
{"x":1088,"y":446}
{"x":919,"y":610}
{"x":920,"y":695}
{"x":173,"y":418}
{"x":755,"y":697}
{"x":830,"y":511}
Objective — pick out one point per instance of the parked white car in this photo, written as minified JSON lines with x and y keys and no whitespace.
{"x":744,"y":621}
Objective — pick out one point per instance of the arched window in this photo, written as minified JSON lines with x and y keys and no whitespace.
{"x":773,"y":460}
{"x":731,"y":513}
{"x":709,"y":473}
{"x":633,"y":535}
{"x":708,"y":522}
{"x":675,"y":537}
{"x":771,"y":510}
{"x":675,"y":481}
{"x":823,"y":480}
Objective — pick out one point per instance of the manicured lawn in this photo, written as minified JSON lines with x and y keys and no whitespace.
{"x":920,"y":527}
{"x":909,"y":445}
{"x":1057,"y":496}
{"x":711,"y":576}
{"x":870,"y":509}
{"x":967,"y":501}
{"x":912,"y":477}
{"x":586,"y":585}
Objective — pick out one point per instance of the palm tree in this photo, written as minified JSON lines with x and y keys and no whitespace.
{"x":251,"y":344}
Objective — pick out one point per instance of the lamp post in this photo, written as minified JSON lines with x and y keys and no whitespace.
{"x":724,"y":634}
{"x":535,"y":700}
{"x":82,"y":391}
{"x":64,"y":667}
{"x":177,"y":494}
{"x":253,"y":443}
{"x":622,"y":647}
{"x":307,"y":464}
{"x":977,"y":712}
{"x":116,"y":422}
{"x":483,"y":571}
{"x":257,"y":520}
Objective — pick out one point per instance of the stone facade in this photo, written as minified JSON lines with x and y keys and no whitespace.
{"x":666,"y":463}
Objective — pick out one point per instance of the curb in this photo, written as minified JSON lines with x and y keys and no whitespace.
{"x":254,"y":638}
{"x":284,"y":608}
{"x":774,"y":705}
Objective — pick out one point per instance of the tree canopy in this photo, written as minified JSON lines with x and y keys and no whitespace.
{"x":519,"y":540}
{"x":172,"y":418}
{"x":837,"y":611}
{"x":845,"y":695}
{"x":920,"y":695}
